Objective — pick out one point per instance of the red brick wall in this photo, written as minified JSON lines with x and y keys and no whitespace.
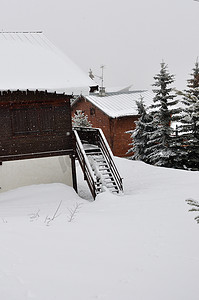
{"x":114,"y":129}
{"x":121,"y":138}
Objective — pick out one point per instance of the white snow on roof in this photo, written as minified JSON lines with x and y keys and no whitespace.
{"x":120,"y":104}
{"x":29,"y":60}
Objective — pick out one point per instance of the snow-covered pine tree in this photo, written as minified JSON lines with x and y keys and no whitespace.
{"x":80,"y":120}
{"x":161,"y":147}
{"x":190,"y":120}
{"x":139,"y":134}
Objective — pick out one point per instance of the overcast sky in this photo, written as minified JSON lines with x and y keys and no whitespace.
{"x":129,"y":37}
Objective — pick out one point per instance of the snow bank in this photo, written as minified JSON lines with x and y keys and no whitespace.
{"x":142,"y":245}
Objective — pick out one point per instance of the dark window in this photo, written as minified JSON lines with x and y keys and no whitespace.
{"x":62,"y":118}
{"x":24,"y":121}
{"x":32,"y":120}
{"x":46,"y":119}
{"x":18,"y":120}
{"x":92,"y":111}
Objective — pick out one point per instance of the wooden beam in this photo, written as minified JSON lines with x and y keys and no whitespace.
{"x":74,"y":174}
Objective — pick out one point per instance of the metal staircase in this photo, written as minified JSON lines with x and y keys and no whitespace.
{"x":96,"y":160}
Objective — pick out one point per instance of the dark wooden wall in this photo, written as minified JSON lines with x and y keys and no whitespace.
{"x":34,"y":124}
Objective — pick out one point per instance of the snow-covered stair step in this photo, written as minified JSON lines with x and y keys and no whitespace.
{"x":116,"y":191}
{"x":100,"y":162}
{"x":94,"y":153}
{"x":106,"y":172}
{"x":99,"y":159}
{"x":103,"y":164}
{"x":112,"y":189}
{"x":108,"y":176}
{"x":109,"y":182}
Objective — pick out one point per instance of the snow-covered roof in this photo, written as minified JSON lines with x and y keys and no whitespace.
{"x":120,"y":104}
{"x":29,"y":60}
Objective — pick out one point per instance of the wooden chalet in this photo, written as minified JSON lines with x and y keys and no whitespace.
{"x":37,"y":82}
{"x":115,"y":113}
{"x":37,"y":143}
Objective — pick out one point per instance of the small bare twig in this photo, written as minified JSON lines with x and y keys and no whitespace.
{"x":48,"y":219}
{"x":3,"y":220}
{"x":34,"y":216}
{"x":73,"y":211}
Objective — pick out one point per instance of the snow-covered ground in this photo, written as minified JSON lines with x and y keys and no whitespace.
{"x":142,"y":245}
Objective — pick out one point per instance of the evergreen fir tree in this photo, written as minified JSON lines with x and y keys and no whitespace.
{"x":139,"y":134}
{"x":80,"y":119}
{"x":190,"y":120}
{"x":193,"y":83}
{"x":161,"y":147}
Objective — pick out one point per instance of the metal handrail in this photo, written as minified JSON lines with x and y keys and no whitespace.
{"x":85,"y":165}
{"x":109,"y":157}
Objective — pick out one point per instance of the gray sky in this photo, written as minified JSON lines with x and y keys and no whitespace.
{"x":129,"y":37}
